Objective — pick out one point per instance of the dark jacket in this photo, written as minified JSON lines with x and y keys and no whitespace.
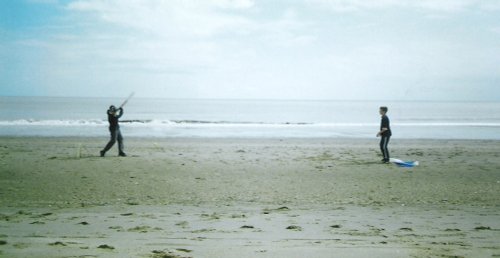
{"x":385,"y":123}
{"x":113,"y":118}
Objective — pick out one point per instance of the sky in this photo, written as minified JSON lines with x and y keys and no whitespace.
{"x":244,"y":49}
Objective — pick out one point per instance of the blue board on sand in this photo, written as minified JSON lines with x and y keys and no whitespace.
{"x":405,"y":164}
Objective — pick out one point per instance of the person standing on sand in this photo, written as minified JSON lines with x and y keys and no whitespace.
{"x":114,"y":128}
{"x":385,"y":134}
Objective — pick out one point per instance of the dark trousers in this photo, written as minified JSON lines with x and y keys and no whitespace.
{"x":384,"y":141}
{"x":115,"y":135}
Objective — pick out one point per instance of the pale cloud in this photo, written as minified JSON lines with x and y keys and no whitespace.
{"x":353,"y":5}
{"x":181,"y":29}
{"x":492,"y":5}
{"x":495,"y":29}
{"x":191,"y":18}
{"x":236,"y":4}
{"x":200,"y":48}
{"x":433,"y":5}
{"x":263,"y":49}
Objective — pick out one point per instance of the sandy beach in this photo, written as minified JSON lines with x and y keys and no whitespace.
{"x":202,"y":197}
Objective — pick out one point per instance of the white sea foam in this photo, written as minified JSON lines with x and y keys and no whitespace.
{"x":34,"y":122}
{"x":195,"y":123}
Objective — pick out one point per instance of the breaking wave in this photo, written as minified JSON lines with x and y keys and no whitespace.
{"x":152,"y":122}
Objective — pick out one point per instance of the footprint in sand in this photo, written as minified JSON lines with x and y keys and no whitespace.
{"x":21,"y":245}
{"x":482,"y":228}
{"x":104,"y":246}
{"x":58,"y":243}
{"x":117,"y":228}
{"x":143,"y":229}
{"x":294,"y":228}
{"x":163,"y":254}
{"x":182,"y":224}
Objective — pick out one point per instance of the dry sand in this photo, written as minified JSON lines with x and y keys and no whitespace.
{"x":248,"y":198}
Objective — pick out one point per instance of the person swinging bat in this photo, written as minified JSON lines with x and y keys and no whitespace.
{"x":114,"y":128}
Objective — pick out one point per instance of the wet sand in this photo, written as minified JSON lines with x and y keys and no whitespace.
{"x":248,"y":198}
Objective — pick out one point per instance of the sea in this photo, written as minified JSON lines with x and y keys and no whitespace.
{"x":209,"y":118}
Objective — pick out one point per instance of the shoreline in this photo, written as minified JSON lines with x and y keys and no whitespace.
{"x":105,"y":137}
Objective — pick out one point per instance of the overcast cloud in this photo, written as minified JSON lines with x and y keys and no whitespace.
{"x":303,"y":49}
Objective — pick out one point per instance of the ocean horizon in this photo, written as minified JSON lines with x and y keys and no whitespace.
{"x":225,"y":118}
